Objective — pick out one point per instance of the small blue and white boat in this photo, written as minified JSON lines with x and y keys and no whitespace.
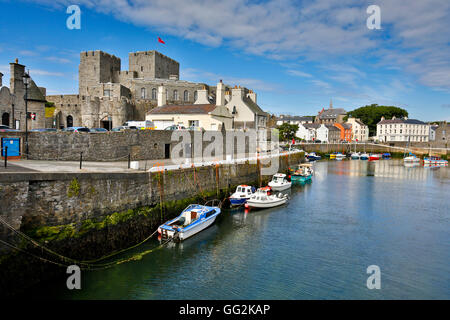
{"x":242,"y":194}
{"x":192,"y":220}
{"x":364,"y":156}
{"x":386,"y":155}
{"x":313,"y":156}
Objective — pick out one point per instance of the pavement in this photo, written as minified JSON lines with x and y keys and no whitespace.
{"x":21,"y":165}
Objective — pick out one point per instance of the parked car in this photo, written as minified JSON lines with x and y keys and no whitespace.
{"x":44,"y":130}
{"x":96,"y":130}
{"x":175,"y":127}
{"x":76,"y":129}
{"x":317,"y":141}
{"x":194,"y":128}
{"x":5,"y":128}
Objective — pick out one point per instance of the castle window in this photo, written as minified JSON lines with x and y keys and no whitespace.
{"x":186,"y":95}
{"x":142,"y":68}
{"x":154,"y":94}
{"x":143,"y":93}
{"x":107,"y":93}
{"x":195,"y":95}
{"x":175,"y":94}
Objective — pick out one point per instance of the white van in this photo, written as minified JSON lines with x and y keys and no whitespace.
{"x":147,"y":124}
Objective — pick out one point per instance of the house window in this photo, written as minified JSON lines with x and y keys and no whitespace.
{"x":193,"y":123}
{"x":143,"y":93}
{"x":186,"y":95}
{"x":107,"y":93}
{"x":195,"y":95}
{"x":154,"y":94}
{"x":175,"y":94}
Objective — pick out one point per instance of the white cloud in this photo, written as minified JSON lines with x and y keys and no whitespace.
{"x":38,"y":72}
{"x":414,"y":35}
{"x":298,"y":73}
{"x":58,"y":60}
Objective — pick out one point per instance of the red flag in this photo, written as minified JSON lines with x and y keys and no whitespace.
{"x":160,"y":40}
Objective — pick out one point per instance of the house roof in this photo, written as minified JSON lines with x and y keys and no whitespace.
{"x":331,"y":113}
{"x":295,"y":118}
{"x":34,"y":93}
{"x":401,"y":120}
{"x":254,"y":107}
{"x":184,"y":109}
{"x":332,"y":127}
{"x":311,"y":125}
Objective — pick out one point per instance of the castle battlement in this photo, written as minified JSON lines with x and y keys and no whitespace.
{"x":97,"y":53}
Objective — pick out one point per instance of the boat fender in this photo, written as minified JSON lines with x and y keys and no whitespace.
{"x":246,"y":206}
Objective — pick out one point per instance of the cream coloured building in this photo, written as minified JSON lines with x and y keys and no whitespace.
{"x":201,"y":115}
{"x":360,"y":131}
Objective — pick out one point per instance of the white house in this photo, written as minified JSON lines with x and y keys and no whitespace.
{"x":202,"y":115}
{"x":307,"y":131}
{"x":402,"y":129}
{"x":360,"y":131}
{"x":243,"y":106}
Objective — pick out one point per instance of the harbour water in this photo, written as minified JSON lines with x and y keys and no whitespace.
{"x":354,"y":214}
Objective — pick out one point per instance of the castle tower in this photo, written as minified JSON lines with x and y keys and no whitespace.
{"x":153,"y":65}
{"x":96,"y":67}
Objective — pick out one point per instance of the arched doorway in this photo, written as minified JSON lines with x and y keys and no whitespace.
{"x":69,"y":121}
{"x":5,"y":119}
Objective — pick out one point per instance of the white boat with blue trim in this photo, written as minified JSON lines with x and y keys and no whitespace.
{"x":242,"y":194}
{"x":192,"y":220}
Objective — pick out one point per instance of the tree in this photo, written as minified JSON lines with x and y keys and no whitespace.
{"x":287,"y":131}
{"x":371,"y":115}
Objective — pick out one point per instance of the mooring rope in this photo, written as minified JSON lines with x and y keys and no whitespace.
{"x":89,"y":264}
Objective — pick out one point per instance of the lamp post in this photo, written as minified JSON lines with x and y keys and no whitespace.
{"x":26,"y":83}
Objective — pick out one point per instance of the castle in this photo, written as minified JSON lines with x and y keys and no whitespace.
{"x":109,"y":96}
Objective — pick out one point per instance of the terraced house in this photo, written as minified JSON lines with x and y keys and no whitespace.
{"x":402,"y":129}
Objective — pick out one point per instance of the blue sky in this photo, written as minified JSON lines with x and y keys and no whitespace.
{"x":297,"y":55}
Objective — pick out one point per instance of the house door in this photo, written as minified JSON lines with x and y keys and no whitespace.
{"x":167,"y":151}
{"x":5,"y":119}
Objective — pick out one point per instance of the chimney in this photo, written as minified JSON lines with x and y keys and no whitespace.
{"x":161,"y":96}
{"x":382,"y":118}
{"x":252,"y":96}
{"x":202,"y":96}
{"x":220,"y":95}
{"x":1,"y":79}
{"x":237,"y":93}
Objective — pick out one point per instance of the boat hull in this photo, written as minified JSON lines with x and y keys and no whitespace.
{"x":186,"y":233}
{"x":297,"y":178}
{"x":437,"y":163}
{"x":238,"y":201}
{"x":279,"y":187}
{"x":271,"y":204}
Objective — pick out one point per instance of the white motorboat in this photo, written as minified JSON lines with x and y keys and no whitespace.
{"x":411,"y":158}
{"x":340,"y":156}
{"x":263,"y":199}
{"x":192,"y":220}
{"x":279,"y":182}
